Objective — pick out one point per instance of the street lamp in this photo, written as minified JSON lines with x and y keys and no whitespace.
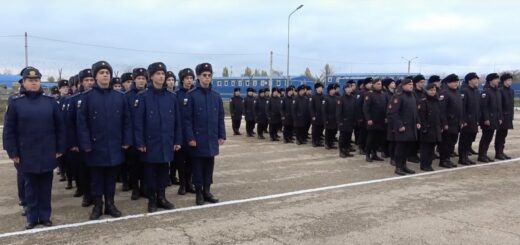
{"x":409,"y":62}
{"x":288,"y":28}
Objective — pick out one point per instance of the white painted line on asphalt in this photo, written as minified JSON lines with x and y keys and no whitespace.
{"x":248,"y":200}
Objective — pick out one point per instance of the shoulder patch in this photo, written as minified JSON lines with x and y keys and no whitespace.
{"x":441,"y":97}
{"x":136,"y":103}
{"x":357,"y":96}
{"x":366,"y":97}
{"x":281,"y":101}
{"x":462,"y":95}
{"x":396,"y":100}
{"x":310,"y":98}
{"x":294,"y":101}
{"x":267,"y":102}
{"x":79,"y":104}
{"x":323,"y":102}
{"x":390,"y":106}
{"x":185,"y":101}
{"x":483,"y":95}
{"x":339,"y":102}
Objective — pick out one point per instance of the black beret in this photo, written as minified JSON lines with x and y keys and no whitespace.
{"x":155,"y":67}
{"x":470,"y":76}
{"x":84,"y":74}
{"x":171,"y":74}
{"x":301,"y":87}
{"x":492,"y":76}
{"x":387,"y":81}
{"x":139,"y":72}
{"x":330,"y":87}
{"x":406,"y":81}
{"x":115,"y":80}
{"x":203,"y":67}
{"x":433,"y":79}
{"x":318,"y":85}
{"x":368,"y":80}
{"x":126,"y":76}
{"x":418,"y":78}
{"x":63,"y":83}
{"x":237,"y":89}
{"x":451,"y":78}
{"x":360,"y":82}
{"x":250,"y":89}
{"x":506,"y":76}
{"x":275,"y":89}
{"x":186,"y":72}
{"x":96,"y":67}
{"x":430,"y":86}
{"x":31,"y":72}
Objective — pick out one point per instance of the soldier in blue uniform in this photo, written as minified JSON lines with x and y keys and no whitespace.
{"x":183,"y":160}
{"x":77,"y":158}
{"x":171,"y":79}
{"x":249,"y":112}
{"x":287,"y":118}
{"x":345,"y":118}
{"x":63,"y":92}
{"x":116,"y":84}
{"x":204,"y":131}
{"x":236,"y":108}
{"x":158,"y":134}
{"x":104,"y":132}
{"x":135,"y":166}
{"x":507,"y":94}
{"x":34,"y":137}
{"x":274,"y":114}
{"x":126,"y":81}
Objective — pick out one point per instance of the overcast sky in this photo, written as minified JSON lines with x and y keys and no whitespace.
{"x":352,"y":36}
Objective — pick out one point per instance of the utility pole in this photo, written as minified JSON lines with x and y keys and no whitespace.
{"x":409,"y":62}
{"x":26,"y":52}
{"x":271,"y":71}
{"x":288,"y":32}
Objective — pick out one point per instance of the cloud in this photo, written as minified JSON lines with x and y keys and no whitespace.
{"x":446,"y":23}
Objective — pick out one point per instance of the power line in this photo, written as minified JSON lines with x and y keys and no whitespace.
{"x":140,"y":50}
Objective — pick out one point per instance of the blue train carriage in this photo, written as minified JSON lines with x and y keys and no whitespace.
{"x":225,"y":85}
{"x":342,"y":78}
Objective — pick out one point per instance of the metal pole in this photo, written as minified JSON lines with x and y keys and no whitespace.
{"x":288,"y":32}
{"x":26,"y":52}
{"x":271,"y":72}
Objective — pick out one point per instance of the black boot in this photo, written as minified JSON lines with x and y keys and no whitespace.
{"x":87,"y":201}
{"x":152,"y":202}
{"x":199,"y":198}
{"x":398,"y":169}
{"x":125,"y":186}
{"x":182,"y":190}
{"x":110,"y":207}
{"x":407,"y":170}
{"x":78,"y":193}
{"x":375,"y":157}
{"x":135,"y":191}
{"x":368,"y":158}
{"x":97,"y":211}
{"x":162,"y":202}
{"x":208,"y":197}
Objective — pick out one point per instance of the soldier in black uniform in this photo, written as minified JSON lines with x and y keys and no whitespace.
{"x":389,"y":89}
{"x":300,"y":112}
{"x":431,"y":128}
{"x":274,"y":114}
{"x":470,"y":116}
{"x":418,"y":85}
{"x":451,"y":109}
{"x":63,"y":163}
{"x":316,"y":114}
{"x":374,"y":111}
{"x":508,"y":113}
{"x":260,"y":115}
{"x":403,"y":111}
{"x":345,"y":118}
{"x":287,"y":118}
{"x":236,"y":108}
{"x":329,"y":116}
{"x":308,"y":94}
{"x":436,"y":80}
{"x":362,"y":126}
{"x":491,"y":115}
{"x":249,"y":111}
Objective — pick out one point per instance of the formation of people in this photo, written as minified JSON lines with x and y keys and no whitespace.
{"x":142,"y":130}
{"x":413,"y":119}
{"x":99,"y":129}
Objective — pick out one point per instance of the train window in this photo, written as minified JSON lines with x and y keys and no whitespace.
{"x":255,"y":83}
{"x":278,"y":83}
{"x":233,"y":83}
{"x":247,"y":83}
{"x":240,"y":83}
{"x":226,"y":83}
{"x":219,"y":83}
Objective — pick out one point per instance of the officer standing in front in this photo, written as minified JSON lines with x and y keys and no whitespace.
{"x":104,"y":132}
{"x":204,"y":131}
{"x":34,"y":137}
{"x":158,"y":134}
